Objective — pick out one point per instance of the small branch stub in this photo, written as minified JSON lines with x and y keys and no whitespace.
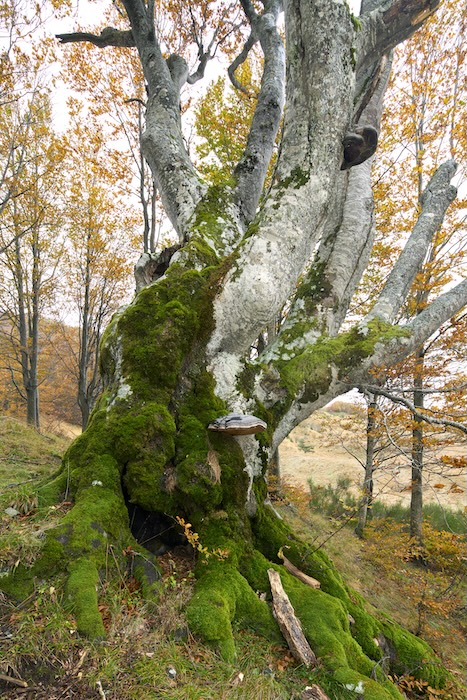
{"x":314,"y":692}
{"x":238,"y":424}
{"x":289,"y":623}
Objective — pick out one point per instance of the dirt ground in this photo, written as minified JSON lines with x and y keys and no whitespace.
{"x":329,"y":444}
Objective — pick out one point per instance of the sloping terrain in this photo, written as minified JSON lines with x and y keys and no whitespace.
{"x":329,"y":445}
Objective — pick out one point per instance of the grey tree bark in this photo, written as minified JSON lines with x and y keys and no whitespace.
{"x":179,"y":356}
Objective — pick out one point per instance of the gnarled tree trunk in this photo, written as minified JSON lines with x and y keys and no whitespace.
{"x":179,"y":356}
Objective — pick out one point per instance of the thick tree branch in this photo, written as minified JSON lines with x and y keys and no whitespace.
{"x":347,"y":243}
{"x":305,"y":372}
{"x":435,"y":200}
{"x":108,"y":37}
{"x":250,"y":172}
{"x":438,"y":312}
{"x":387,"y":25}
{"x":162,"y":141}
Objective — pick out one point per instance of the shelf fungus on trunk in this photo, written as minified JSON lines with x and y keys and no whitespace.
{"x":238,"y":424}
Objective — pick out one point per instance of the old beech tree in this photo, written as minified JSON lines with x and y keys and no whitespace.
{"x":179,"y":356}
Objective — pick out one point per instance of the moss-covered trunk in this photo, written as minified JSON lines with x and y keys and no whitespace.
{"x":147,"y":449}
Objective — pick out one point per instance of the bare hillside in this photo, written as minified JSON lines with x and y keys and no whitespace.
{"x":329,"y":444}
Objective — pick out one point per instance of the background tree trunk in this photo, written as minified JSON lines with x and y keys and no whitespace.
{"x":416,"y":500}
{"x":367,"y":488}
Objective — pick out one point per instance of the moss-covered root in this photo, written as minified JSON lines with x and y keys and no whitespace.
{"x":411,"y":655}
{"x":221,"y":596}
{"x":81,"y":598}
{"x":407,"y":653}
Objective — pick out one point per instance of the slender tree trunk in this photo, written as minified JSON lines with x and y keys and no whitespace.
{"x":34,"y":323}
{"x":274,"y":468}
{"x":367,"y":488}
{"x":28,"y":331}
{"x":416,"y":502}
{"x":83,"y":399}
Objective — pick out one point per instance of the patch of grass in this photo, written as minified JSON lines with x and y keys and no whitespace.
{"x":334,"y":501}
{"x":140,"y":658}
{"x":438,"y":517}
{"x":39,"y":641}
{"x":26,"y":454}
{"x":337,"y":501}
{"x":345,"y":408}
{"x":304,"y":446}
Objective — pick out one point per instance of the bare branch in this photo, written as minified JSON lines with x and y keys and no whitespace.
{"x":205,"y":55}
{"x":241,"y":58}
{"x":408,"y":404}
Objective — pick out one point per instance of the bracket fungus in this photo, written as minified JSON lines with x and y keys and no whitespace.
{"x":238,"y":424}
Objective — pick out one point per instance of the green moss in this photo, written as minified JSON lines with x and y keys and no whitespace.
{"x":315,"y":288}
{"x":297,"y":178}
{"x":158,"y":329}
{"x":325,"y":622}
{"x":211,"y":217}
{"x":52,"y":490}
{"x":18,"y":584}
{"x":147,"y":573}
{"x":413,"y":656}
{"x":227,"y":531}
{"x":221,"y":596}
{"x":196,"y":480}
{"x":233,"y":476}
{"x":308,"y":373}
{"x":81,"y":595}
{"x":357,"y":24}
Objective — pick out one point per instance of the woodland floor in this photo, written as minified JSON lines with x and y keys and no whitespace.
{"x":38,"y":640}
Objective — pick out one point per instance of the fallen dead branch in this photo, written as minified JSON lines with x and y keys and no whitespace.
{"x":291,"y":568}
{"x":289,"y":623}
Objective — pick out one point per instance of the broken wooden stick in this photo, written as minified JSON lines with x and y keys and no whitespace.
{"x":14,"y":681}
{"x":308,"y":580}
{"x":289,"y":623}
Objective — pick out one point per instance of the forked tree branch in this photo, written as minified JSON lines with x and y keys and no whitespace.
{"x":250,"y":172}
